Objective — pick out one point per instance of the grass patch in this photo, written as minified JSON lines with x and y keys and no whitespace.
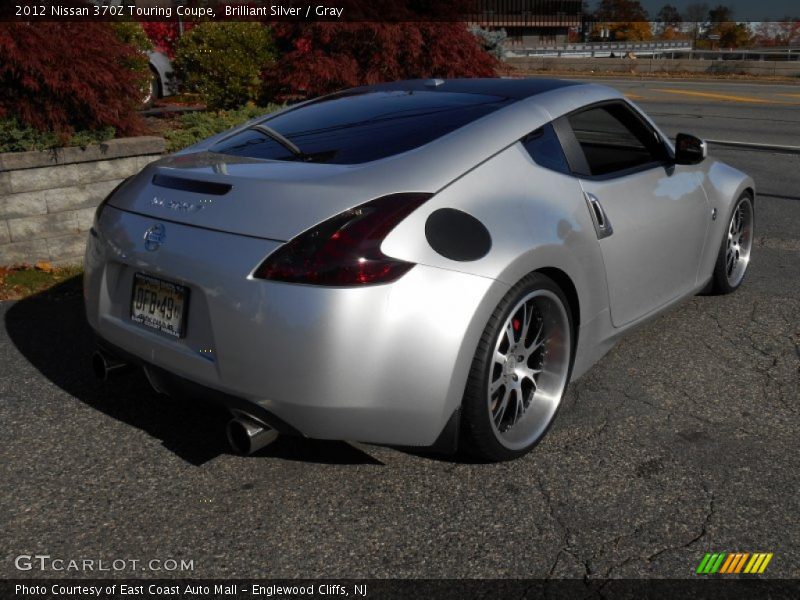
{"x":21,"y":281}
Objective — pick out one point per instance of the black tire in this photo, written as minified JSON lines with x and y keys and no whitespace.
{"x":480,"y":434}
{"x":721,"y":280}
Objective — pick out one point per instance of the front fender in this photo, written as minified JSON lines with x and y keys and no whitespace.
{"x":723,"y":185}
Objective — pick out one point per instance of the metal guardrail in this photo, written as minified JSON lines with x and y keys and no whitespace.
{"x":602,"y":49}
{"x":679,"y":49}
{"x":774,"y":148}
{"x":784,"y":54}
{"x":617,"y":46}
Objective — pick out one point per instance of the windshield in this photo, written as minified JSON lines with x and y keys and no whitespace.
{"x":352,"y":128}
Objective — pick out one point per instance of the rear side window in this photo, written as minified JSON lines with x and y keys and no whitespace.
{"x":545,"y":149}
{"x":352,"y":128}
{"x":614,"y":139}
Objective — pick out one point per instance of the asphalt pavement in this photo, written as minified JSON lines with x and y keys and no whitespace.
{"x":682,"y":440}
{"x":739,"y":111}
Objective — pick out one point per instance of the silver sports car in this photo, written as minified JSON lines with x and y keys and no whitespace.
{"x":420,"y":263}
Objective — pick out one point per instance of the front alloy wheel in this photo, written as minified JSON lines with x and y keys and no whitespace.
{"x":520,"y":371}
{"x":734,"y":254}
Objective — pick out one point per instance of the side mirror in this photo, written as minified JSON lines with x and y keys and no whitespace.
{"x":689,"y":150}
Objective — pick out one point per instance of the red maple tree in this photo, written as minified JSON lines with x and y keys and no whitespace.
{"x":67,"y":76}
{"x":165,"y":34}
{"x":319,"y":58}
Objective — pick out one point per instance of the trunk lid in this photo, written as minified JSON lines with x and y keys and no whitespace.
{"x":268,"y":199}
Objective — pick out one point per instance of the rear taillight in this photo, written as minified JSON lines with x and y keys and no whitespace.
{"x":345,"y":250}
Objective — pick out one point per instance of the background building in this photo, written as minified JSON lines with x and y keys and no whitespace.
{"x":526,"y":22}
{"x":530,"y":22}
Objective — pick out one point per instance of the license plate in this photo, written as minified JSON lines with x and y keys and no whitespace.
{"x":159,"y":304}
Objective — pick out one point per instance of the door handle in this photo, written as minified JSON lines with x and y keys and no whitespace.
{"x":602,"y":225}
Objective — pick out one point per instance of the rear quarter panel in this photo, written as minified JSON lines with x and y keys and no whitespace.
{"x":537,"y":219}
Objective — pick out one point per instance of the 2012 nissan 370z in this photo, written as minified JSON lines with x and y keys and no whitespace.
{"x":420,"y":263}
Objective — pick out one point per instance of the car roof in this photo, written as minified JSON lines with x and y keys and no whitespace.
{"x":517,"y":89}
{"x":368,"y":123}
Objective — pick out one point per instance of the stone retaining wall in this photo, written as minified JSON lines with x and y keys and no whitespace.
{"x":48,"y":199}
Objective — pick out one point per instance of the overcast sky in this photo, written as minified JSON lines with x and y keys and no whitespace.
{"x":743,"y":10}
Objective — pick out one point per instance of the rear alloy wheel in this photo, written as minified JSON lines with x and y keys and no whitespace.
{"x":150,"y":90}
{"x":734,"y":254}
{"x":520,"y":371}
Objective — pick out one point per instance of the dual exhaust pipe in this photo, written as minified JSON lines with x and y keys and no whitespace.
{"x":245,"y":433}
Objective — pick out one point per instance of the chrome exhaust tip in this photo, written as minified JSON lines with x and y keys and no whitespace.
{"x":153,"y":380}
{"x":246,"y":435}
{"x":104,"y":365}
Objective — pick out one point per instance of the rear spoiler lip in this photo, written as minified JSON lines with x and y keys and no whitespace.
{"x":197,"y":186}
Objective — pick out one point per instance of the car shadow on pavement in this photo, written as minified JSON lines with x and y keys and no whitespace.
{"x":50,"y":330}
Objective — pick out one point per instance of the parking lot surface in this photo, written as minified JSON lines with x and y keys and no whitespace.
{"x":682,"y":440}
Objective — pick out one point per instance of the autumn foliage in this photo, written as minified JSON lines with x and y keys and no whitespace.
{"x":64,"y":77}
{"x":166,"y":34}
{"x":319,"y":58}
{"x":626,"y":20}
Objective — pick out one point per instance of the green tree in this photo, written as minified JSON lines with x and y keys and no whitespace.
{"x":617,"y":11}
{"x":132,"y":33}
{"x":720,"y":14}
{"x":224,"y":61}
{"x":626,"y":20}
{"x":731,"y":34}
{"x":632,"y":31}
{"x":668,"y":18}
{"x":734,"y":35}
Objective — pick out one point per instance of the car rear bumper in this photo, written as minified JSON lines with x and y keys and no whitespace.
{"x":384,"y":364}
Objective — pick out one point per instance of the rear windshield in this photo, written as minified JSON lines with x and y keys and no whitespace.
{"x":355,"y":128}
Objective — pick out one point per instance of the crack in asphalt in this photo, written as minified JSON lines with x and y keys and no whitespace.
{"x":566,"y":534}
{"x":770,"y":380}
{"x":703,"y":530}
{"x":651,"y":557}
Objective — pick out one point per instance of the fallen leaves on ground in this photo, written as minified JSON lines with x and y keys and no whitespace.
{"x":21,"y":281}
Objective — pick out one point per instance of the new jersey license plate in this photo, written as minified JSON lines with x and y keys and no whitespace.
{"x":159,"y":304}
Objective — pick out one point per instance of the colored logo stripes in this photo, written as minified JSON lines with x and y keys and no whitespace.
{"x":733,"y":563}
